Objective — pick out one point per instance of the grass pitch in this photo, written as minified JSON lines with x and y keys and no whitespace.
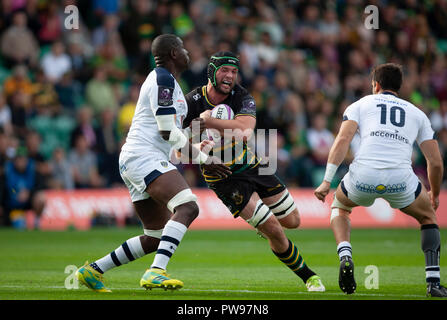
{"x":214,"y":265}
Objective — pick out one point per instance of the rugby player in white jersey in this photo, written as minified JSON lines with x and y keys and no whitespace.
{"x":388,"y":127}
{"x":162,"y":199}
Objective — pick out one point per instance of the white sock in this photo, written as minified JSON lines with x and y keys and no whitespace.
{"x":173,"y":233}
{"x":433,"y":274}
{"x":344,"y":249}
{"x":128,"y":251}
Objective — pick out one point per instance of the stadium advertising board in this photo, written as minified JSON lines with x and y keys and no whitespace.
{"x":76,"y":209}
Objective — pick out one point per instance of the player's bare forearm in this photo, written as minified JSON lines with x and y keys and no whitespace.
{"x":435,"y":174}
{"x":342,"y":141}
{"x":339,"y":150}
{"x":337,"y":154}
{"x":244,"y":124}
{"x":435,"y":167}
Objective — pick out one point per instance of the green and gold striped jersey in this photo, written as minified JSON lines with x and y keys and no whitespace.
{"x":243,"y":157}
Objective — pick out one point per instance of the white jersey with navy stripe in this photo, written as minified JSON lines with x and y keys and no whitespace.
{"x":160,"y":94}
{"x":387,"y":128}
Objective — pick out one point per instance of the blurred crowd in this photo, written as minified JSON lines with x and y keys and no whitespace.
{"x":68,"y":94}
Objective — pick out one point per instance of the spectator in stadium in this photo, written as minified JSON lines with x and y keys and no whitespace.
{"x":69,"y":92}
{"x":42,"y":167}
{"x":56,"y":62}
{"x":320,"y":140}
{"x":79,"y":58}
{"x":281,"y":87}
{"x":267,"y":52}
{"x":247,"y":48}
{"x":3,"y":159}
{"x":84,"y":127}
{"x":54,"y":127}
{"x":5,"y":115}
{"x":61,"y":177}
{"x":20,"y":103}
{"x":20,"y":180}
{"x":107,"y":148}
{"x":84,"y":165}
{"x":127,"y":111}
{"x":105,"y":7}
{"x":196,"y":74}
{"x":108,"y":30}
{"x":299,"y":172}
{"x":44,"y":94}
{"x":99,"y":92}
{"x":51,"y":24}
{"x":142,"y":23}
{"x":19,"y":81}
{"x":110,"y":56}
{"x":292,"y":112}
{"x":180,"y":20}
{"x":18,"y":44}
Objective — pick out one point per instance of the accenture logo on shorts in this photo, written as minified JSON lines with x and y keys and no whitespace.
{"x":389,"y":135}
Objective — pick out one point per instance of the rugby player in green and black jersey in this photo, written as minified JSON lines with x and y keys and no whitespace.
{"x":262,"y":200}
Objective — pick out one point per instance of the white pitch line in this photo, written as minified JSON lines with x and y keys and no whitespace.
{"x":232,"y":291}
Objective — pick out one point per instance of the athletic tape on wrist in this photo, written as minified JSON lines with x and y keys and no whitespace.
{"x":330,"y":172}
{"x":201,"y":158}
{"x":177,"y":139}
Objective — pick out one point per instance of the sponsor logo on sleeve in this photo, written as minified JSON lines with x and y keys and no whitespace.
{"x":165,"y":96}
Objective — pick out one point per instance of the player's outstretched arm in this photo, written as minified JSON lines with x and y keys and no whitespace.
{"x":177,"y":139}
{"x":435,"y":169}
{"x":336,"y":155}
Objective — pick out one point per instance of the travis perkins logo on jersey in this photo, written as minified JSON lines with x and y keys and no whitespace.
{"x":389,"y":135}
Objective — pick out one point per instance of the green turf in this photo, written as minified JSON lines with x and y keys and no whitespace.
{"x":213,"y":265}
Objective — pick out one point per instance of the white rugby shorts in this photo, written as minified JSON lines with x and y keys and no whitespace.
{"x":400,"y":187}
{"x":138,"y":170}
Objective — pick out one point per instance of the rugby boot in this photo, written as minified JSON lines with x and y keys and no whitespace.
{"x":91,"y":278}
{"x":158,"y":278}
{"x":314,"y":284}
{"x":436,"y":290}
{"x":346,"y":279}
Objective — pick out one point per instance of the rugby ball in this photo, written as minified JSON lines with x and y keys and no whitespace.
{"x":221,"y":111}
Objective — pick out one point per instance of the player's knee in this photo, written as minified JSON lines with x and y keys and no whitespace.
{"x":338,"y":209}
{"x":260,"y":215}
{"x":284,"y":208}
{"x":186,"y":200}
{"x":292,"y":221}
{"x":426,"y":218}
{"x":189,"y":210}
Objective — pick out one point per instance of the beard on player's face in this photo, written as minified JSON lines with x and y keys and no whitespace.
{"x":225,"y":85}
{"x":226,"y":78}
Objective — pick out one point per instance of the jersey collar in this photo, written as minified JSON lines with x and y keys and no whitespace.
{"x":388,"y":92}
{"x":206,"y":97}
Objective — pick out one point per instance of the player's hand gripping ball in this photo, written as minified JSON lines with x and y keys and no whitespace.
{"x":221,"y":111}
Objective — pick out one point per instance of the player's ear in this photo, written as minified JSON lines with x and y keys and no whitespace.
{"x":376,"y":87}
{"x":173,"y":53}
